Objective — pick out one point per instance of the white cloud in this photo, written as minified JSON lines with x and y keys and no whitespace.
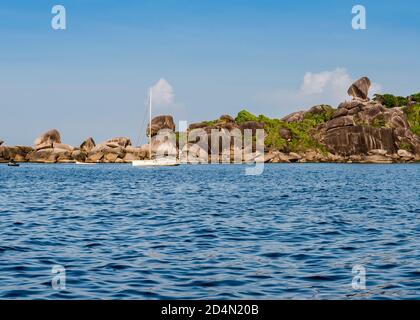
{"x":334,"y":82}
{"x":329,"y":87}
{"x":163,"y":93}
{"x":332,"y":85}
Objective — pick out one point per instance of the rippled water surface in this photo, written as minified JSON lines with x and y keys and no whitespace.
{"x":210,"y":232}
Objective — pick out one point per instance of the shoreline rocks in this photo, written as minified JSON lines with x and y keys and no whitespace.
{"x":16,"y":153}
{"x":358,"y":131}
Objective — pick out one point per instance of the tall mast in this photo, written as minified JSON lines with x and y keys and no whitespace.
{"x":150,"y":123}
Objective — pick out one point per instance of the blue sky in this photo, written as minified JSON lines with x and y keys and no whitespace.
{"x":216,"y":57}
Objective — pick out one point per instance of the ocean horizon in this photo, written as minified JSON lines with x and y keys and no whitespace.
{"x":209,"y":159}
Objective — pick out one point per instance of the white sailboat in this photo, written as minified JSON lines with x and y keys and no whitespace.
{"x":164,"y":161}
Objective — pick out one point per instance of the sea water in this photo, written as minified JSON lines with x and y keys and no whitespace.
{"x":298,"y":231}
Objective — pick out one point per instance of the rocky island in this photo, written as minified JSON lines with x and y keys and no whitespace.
{"x":385,"y":129}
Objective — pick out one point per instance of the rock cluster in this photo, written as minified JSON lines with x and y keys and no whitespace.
{"x":359,"y":130}
{"x":200,"y":149}
{"x":359,"y":126}
{"x":49,"y":149}
{"x":16,"y":153}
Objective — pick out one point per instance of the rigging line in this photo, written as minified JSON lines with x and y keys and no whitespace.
{"x":139,"y":138}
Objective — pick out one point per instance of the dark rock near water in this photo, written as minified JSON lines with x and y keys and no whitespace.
{"x":16,"y":153}
{"x":348,"y":140}
{"x":134,"y":153}
{"x":46,"y":155}
{"x":79,"y":155}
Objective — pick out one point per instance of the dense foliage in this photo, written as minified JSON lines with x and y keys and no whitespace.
{"x":416,"y":97}
{"x":301,"y":132}
{"x":413,"y":116}
{"x":391,"y":101}
{"x":244,"y":116}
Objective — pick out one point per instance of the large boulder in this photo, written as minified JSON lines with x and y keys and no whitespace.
{"x":105,"y":153}
{"x":50,"y":155}
{"x":63,"y":155}
{"x":159,"y":123}
{"x":405,"y":155}
{"x":340,"y":122}
{"x":350,"y":105}
{"x":396,"y":118}
{"x":43,"y":156}
{"x":371,"y":114}
{"x":118,"y":142}
{"x":350,"y":140}
{"x":360,"y":89}
{"x":110,"y":157}
{"x":377,"y":158}
{"x":377,"y":152}
{"x":294,"y":117}
{"x":95,"y":156}
{"x":46,"y":140}
{"x":87,"y":145}
{"x":340,"y":112}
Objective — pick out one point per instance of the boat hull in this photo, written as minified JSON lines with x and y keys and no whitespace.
{"x":156,"y":163}
{"x":13,"y":164}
